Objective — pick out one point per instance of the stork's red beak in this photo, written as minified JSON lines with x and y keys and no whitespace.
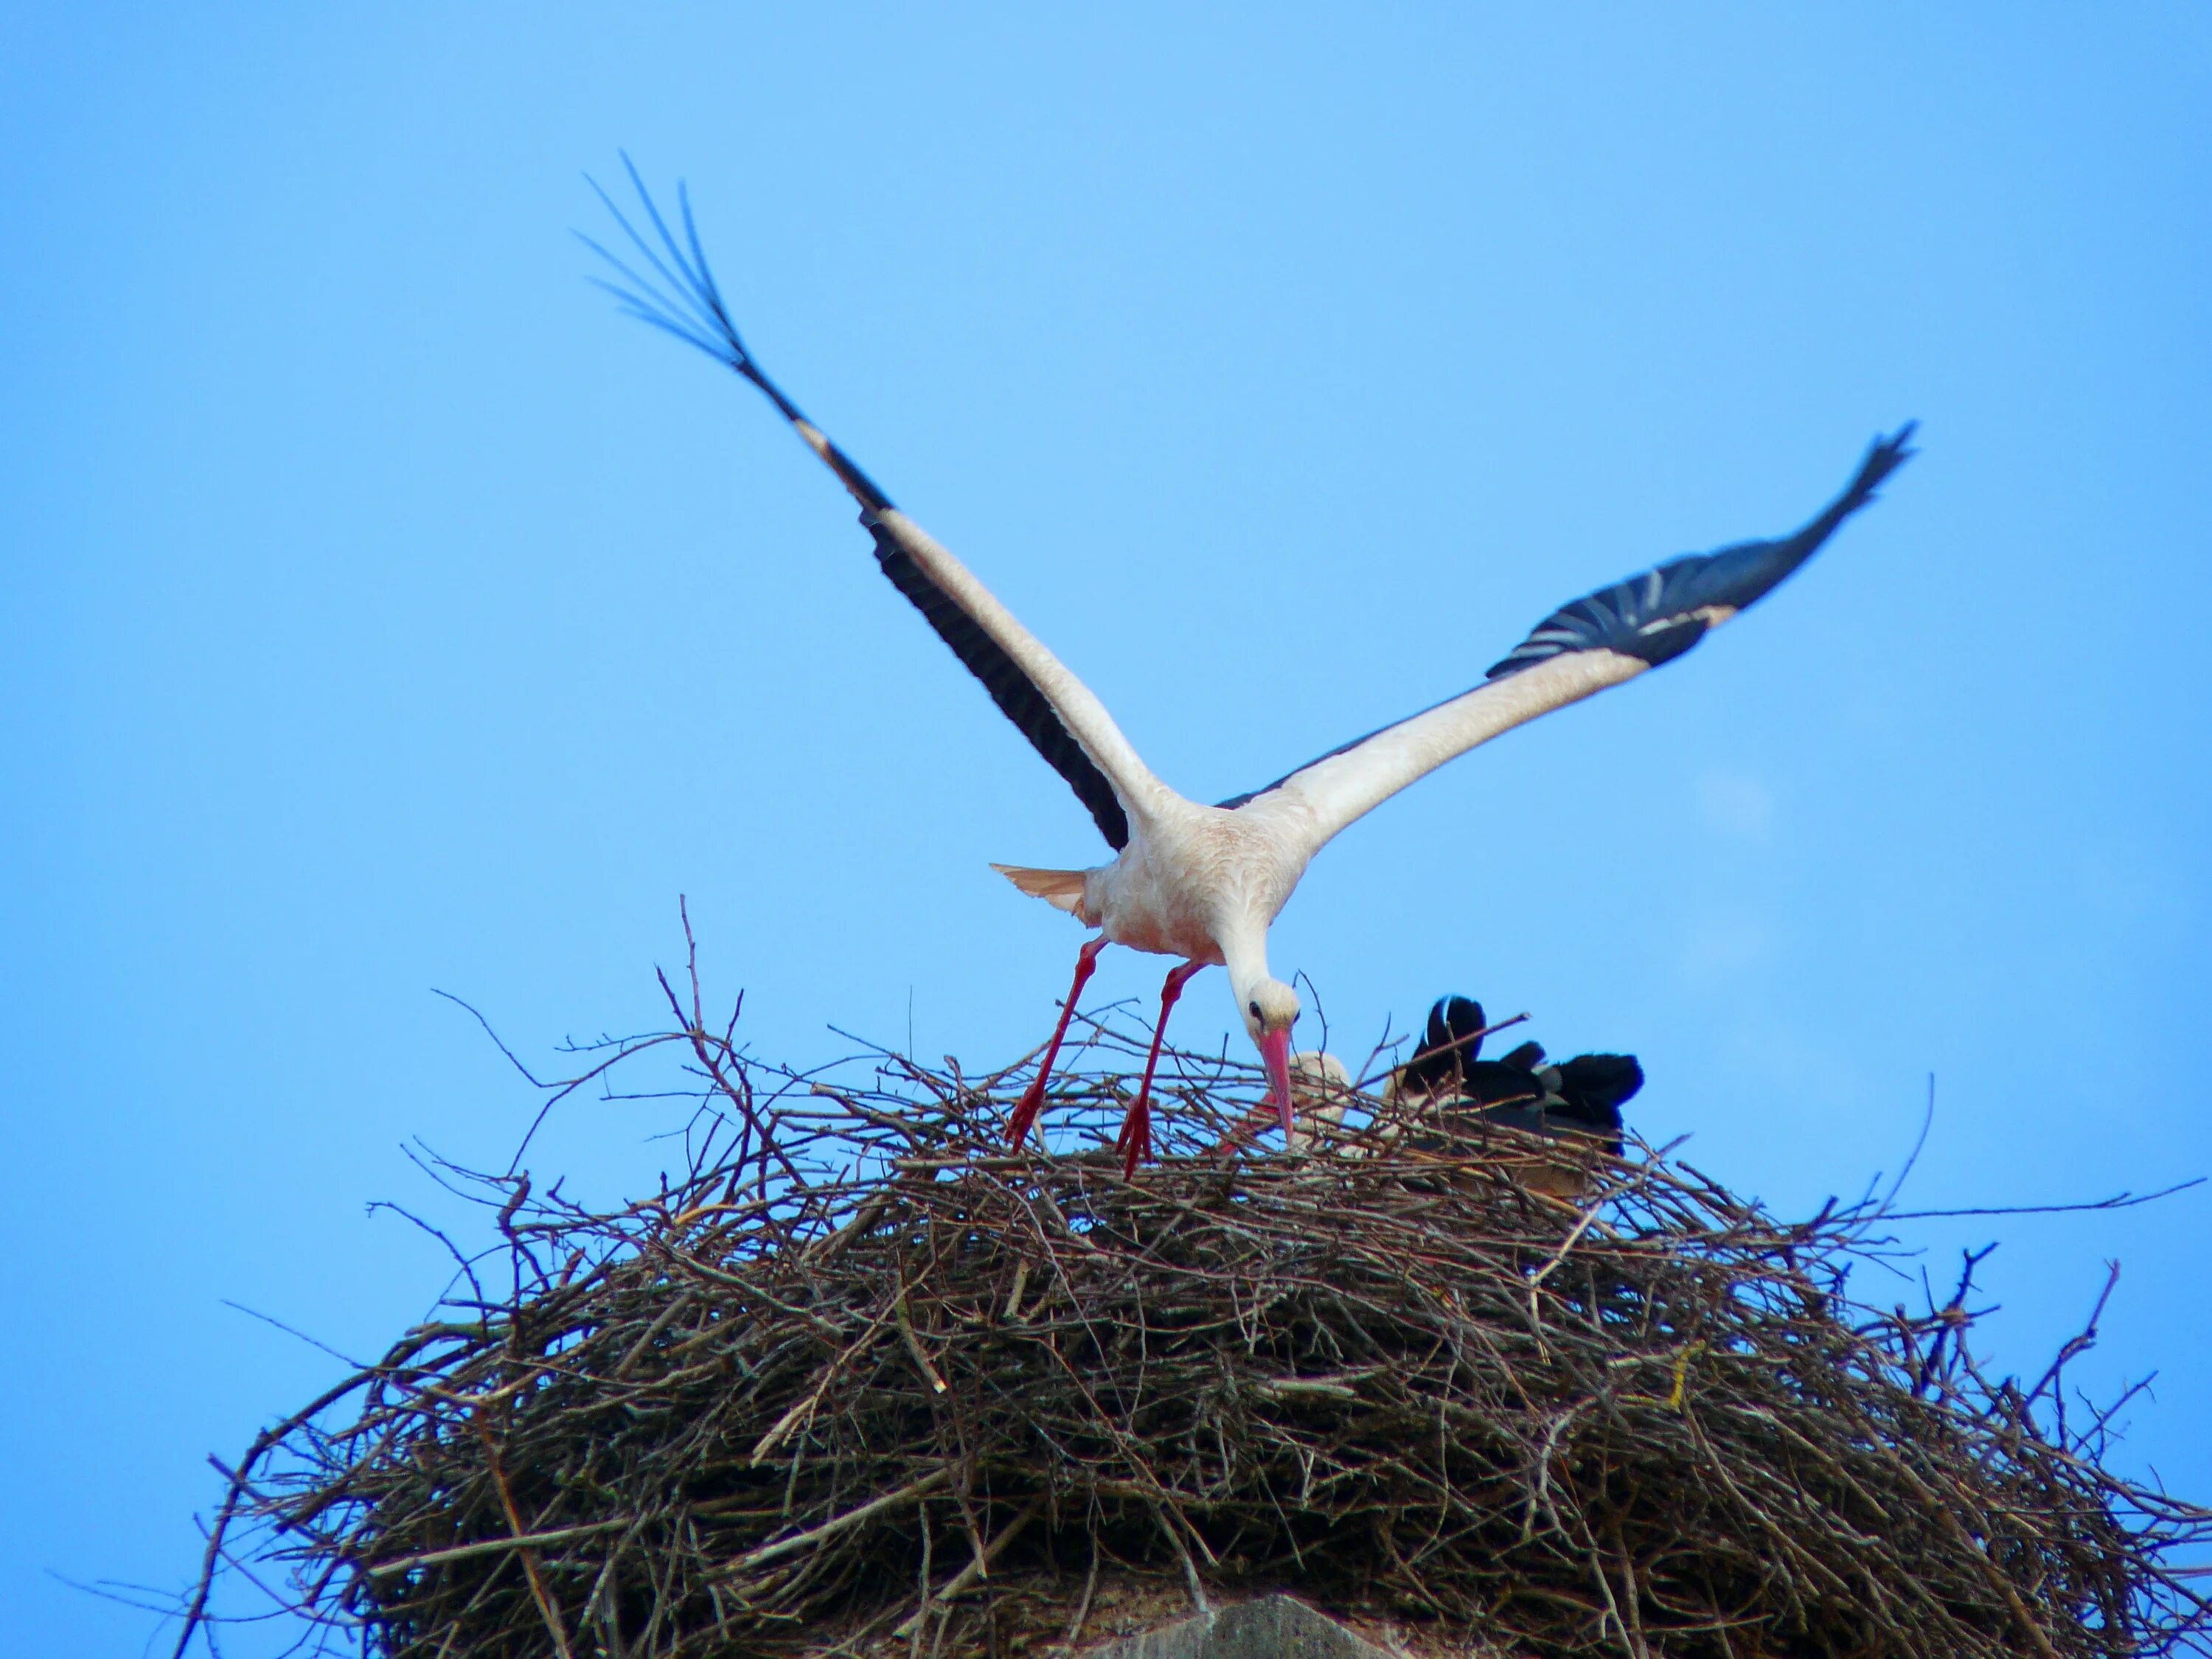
{"x":1275,"y":1053}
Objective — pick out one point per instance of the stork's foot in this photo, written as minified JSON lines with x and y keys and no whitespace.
{"x":1032,"y":1100}
{"x":1025,"y":1110}
{"x":1135,"y":1142}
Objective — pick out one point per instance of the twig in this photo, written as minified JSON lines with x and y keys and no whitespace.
{"x":496,"y":1546}
{"x":910,"y":1492}
{"x":546,"y":1607}
{"x":977,"y":1565}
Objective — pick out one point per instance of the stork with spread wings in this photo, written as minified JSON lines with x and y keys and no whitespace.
{"x":1203,"y":883}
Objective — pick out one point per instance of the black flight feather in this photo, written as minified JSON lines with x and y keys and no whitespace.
{"x":1655,"y":615}
{"x":679,"y":297}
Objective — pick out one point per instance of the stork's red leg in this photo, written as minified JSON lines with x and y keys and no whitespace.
{"x":1135,"y":1141}
{"x":1032,"y":1100}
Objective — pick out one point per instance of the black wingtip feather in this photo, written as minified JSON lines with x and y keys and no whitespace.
{"x":682,"y":299}
{"x":1661,"y":614}
{"x":681,"y":293}
{"x":1883,"y":457}
{"x":1886,"y":456}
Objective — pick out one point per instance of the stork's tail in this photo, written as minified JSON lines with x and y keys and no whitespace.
{"x":1061,"y":889}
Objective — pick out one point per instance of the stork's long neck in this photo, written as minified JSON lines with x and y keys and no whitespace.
{"x":1244,"y":952}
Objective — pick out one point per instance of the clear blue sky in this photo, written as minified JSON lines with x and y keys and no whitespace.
{"x":384,"y":612}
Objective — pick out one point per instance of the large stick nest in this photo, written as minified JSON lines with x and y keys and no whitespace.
{"x":862,"y":1382}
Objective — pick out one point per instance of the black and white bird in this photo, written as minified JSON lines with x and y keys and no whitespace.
{"x":1583,"y":1096}
{"x":1447,"y":1064}
{"x":1202,"y":884}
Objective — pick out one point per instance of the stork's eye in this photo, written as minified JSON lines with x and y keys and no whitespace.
{"x":1254,"y":1006}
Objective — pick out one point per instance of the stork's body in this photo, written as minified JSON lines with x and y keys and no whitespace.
{"x":1203,"y":883}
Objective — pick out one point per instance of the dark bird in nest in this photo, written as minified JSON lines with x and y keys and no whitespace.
{"x":1580,"y":1098}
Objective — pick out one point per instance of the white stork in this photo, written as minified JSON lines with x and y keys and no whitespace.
{"x":1202,"y":884}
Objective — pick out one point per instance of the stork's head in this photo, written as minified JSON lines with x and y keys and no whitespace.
{"x":1270,"y":1009}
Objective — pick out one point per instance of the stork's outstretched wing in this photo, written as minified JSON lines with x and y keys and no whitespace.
{"x":1056,"y":711}
{"x":1600,"y":640}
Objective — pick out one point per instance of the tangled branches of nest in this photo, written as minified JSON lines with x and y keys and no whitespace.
{"x":860,"y":1383}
